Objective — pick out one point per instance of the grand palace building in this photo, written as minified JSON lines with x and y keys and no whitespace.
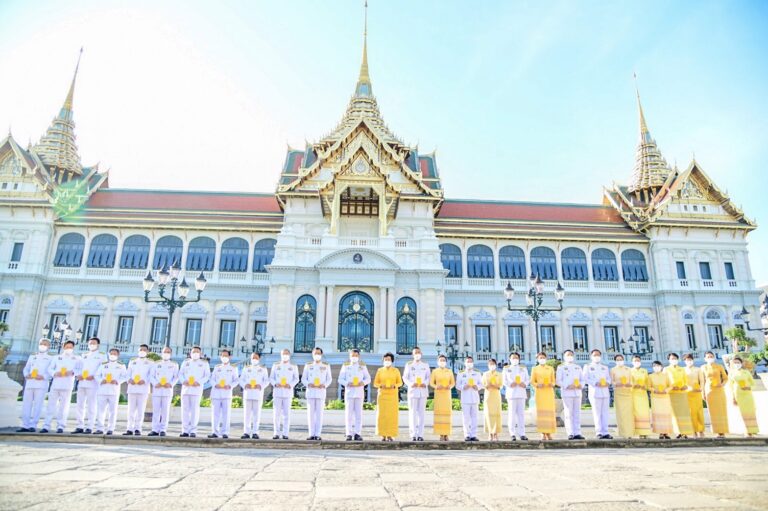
{"x":360,"y":246}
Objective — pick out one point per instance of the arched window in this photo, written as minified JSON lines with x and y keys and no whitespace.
{"x":406,"y":325}
{"x":167,"y":251}
{"x":356,"y":321}
{"x":604,"y":265}
{"x":263,"y":253}
{"x":480,"y":262}
{"x":200,"y":254}
{"x":234,"y":255}
{"x":543,"y":263}
{"x":135,"y":252}
{"x":306,"y":312}
{"x":633,"y":266}
{"x":102,"y":252}
{"x":574,"y":262}
{"x":450,"y":256}
{"x":512,"y":263}
{"x":69,"y":252}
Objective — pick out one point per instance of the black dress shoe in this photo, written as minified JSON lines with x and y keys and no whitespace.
{"x":349,"y":438}
{"x":153,"y":433}
{"x":77,"y":431}
{"x":245,"y":436}
{"x":60,"y":431}
{"x":184,"y":435}
{"x":22,"y":430}
{"x":571,"y":437}
{"x":285,"y":437}
{"x":43,"y":430}
{"x":109,"y":432}
{"x":524,"y":438}
{"x":88,"y":431}
{"x":358,"y":438}
{"x":128,"y":433}
{"x":98,"y":432}
{"x":276,"y":437}
{"x":413,"y":439}
{"x":419,"y":439}
{"x":162,"y":433}
{"x":193,"y":435}
{"x":213,"y":435}
{"x":224,"y":436}
{"x":514,"y":438}
{"x":607,"y":437}
{"x":137,"y":432}
{"x":467,"y":439}
{"x":578,"y":437}
{"x":310,"y":438}
{"x":318,"y":438}
{"x":255,"y":436}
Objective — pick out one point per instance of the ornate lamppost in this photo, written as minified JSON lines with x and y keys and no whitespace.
{"x":636,"y":348}
{"x":452,"y":351}
{"x":170,"y":279}
{"x":61,"y":334}
{"x":257,"y":345}
{"x":534,"y":298}
{"x":746,"y":316}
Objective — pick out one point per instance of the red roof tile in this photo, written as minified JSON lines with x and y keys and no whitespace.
{"x":537,"y":212}
{"x":151,"y":199}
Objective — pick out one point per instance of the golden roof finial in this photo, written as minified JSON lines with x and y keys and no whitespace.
{"x":643,"y":126}
{"x":364,"y":80}
{"x":71,"y":93}
{"x":651,"y":169}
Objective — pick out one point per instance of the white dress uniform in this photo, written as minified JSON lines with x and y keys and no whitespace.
{"x":567,"y":374}
{"x":416,"y":372}
{"x":221,"y":399}
{"x":35,"y":386}
{"x":87,"y":388}
{"x":200,"y":372}
{"x":62,"y":371}
{"x":316,"y":373}
{"x":108,"y":394}
{"x":139,"y":369}
{"x":470,"y":399}
{"x":354,"y":396}
{"x":599,"y":397}
{"x":283,"y":373}
{"x":516,"y":397}
{"x":164,"y":372}
{"x":253,"y":399}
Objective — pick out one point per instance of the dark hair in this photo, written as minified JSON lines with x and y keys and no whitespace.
{"x":226,"y":351}
{"x":355,"y":350}
{"x":69,"y":342}
{"x":144,"y":346}
{"x":618,"y":356}
{"x":656,"y":363}
{"x":115,"y":349}
{"x":256,"y":353}
{"x":595,"y":351}
{"x":492,"y":360}
{"x":673,"y":354}
{"x":738,"y":358}
{"x":415,"y":348}
{"x":317,"y":348}
{"x":98,"y":341}
{"x":709,"y":353}
{"x":515,"y":354}
{"x":469,"y":357}
{"x":390,"y":355}
{"x":442,"y":356}
{"x":541,"y":354}
{"x":568,"y":351}
{"x":637,"y":357}
{"x":688,"y":356}
{"x":196,"y":348}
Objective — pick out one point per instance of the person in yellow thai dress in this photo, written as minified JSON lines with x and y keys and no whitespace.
{"x":621,"y":377}
{"x":388,"y":381}
{"x":678,"y":397}
{"x":442,"y":380}
{"x":741,"y":386}
{"x":543,"y":380}
{"x":661,"y":406}
{"x":695,"y":395}
{"x":641,"y":411}
{"x":492,"y":401}
{"x":715,"y":379}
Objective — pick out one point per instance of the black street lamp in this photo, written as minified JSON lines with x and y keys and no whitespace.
{"x":170,"y":278}
{"x":745,"y":316}
{"x":637,"y":348}
{"x":452,"y":351}
{"x":61,"y":334}
{"x":534,"y":298}
{"x":257,"y":345}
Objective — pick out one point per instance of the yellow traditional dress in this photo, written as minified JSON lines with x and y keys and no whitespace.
{"x":545,"y":398}
{"x":661,"y":406}
{"x":715,"y":379}
{"x":387,"y":401}
{"x":640,"y":409}
{"x":678,"y":397}
{"x":695,"y":397}
{"x":442,"y":377}
{"x":492,"y":402}
{"x":741,"y":385}
{"x":621,"y":377}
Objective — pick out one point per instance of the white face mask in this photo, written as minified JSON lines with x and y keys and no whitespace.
{"x":619,"y":363}
{"x":93,"y":347}
{"x":166,"y":356}
{"x":637,"y":364}
{"x":596,"y":360}
{"x":317,"y":357}
{"x":225,"y":360}
{"x":285,"y":358}
{"x":354,"y":360}
{"x":568,"y":359}
{"x":194,"y":355}
{"x":113,"y":358}
{"x":656,"y":369}
{"x":441,"y":363}
{"x":542,"y":361}
{"x":514,"y":361}
{"x":42,"y":348}
{"x":673,"y":361}
{"x":417,"y":356}
{"x":491,"y":367}
{"x":710,"y":360}
{"x":254,"y":361}
{"x":387,"y":363}
{"x":142,"y":354}
{"x":68,"y":351}
{"x":469,"y":365}
{"x":689,"y":363}
{"x":737,"y":366}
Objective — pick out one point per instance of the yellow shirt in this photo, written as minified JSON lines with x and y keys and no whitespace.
{"x":695,"y":378}
{"x":677,"y":378}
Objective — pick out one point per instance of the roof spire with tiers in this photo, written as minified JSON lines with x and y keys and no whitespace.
{"x":651,"y":169}
{"x":363,"y":87}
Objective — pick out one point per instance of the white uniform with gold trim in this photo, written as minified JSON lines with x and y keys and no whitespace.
{"x":470,"y":399}
{"x":192,"y":371}
{"x":357,"y":374}
{"x":87,"y":388}
{"x":164,"y":372}
{"x":139,"y":370}
{"x":35,"y":385}
{"x":62,"y":372}
{"x":416,"y":373}
{"x":253,"y":398}
{"x":110,"y":375}
{"x":283,"y":373}
{"x":316,"y":373}
{"x":516,"y":397}
{"x":221,"y":398}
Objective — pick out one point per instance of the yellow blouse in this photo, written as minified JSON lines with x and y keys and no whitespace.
{"x":621,"y":377}
{"x":639,"y":378}
{"x":714,"y":376}
{"x":741,"y":379}
{"x":658,"y":383}
{"x":543,"y":375}
{"x":388,"y":376}
{"x":695,"y":379}
{"x":492,"y":378}
{"x":442,"y":377}
{"x":677,"y":378}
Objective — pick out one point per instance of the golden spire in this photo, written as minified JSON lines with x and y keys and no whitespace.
{"x":651,"y":169}
{"x":67,"y":108}
{"x":363,"y":87}
{"x":645,"y":134}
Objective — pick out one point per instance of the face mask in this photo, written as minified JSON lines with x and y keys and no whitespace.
{"x":673,"y":361}
{"x":225,"y":360}
{"x":417,"y":357}
{"x":441,"y":363}
{"x":317,"y":357}
{"x":93,"y":347}
{"x":285,"y":358}
{"x":142,"y":354}
{"x":596,"y":360}
{"x":469,"y":365}
{"x":619,"y":363}
{"x":254,"y":361}
{"x":656,"y":369}
{"x":710,"y":360}
{"x":737,"y":366}
{"x":542,"y":361}
{"x":42,"y":348}
{"x":568,"y":358}
{"x":195,"y":356}
{"x":514,"y":361}
{"x":491,"y":367}
{"x":689,"y":363}
{"x":166,"y":356}
{"x":387,"y":363}
{"x":113,"y":358}
{"x":637,"y":364}
{"x":354,"y":360}
{"x":68,"y":351}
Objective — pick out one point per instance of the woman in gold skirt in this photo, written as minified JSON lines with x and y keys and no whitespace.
{"x":388,"y":381}
{"x":695,"y":395}
{"x":741,"y":386}
{"x":678,"y":397}
{"x":661,"y":407}
{"x":715,"y":379}
{"x":543,"y":380}
{"x":442,"y":380}
{"x":492,"y":401}
{"x":640,"y":408}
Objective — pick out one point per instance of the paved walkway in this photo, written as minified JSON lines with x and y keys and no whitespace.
{"x":37,"y":476}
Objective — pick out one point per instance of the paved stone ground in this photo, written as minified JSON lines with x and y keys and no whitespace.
{"x":37,"y":476}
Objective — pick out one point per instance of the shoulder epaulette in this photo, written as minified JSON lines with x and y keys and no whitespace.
{"x":346,"y":363}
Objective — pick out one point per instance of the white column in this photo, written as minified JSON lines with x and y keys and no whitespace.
{"x":331,"y":326}
{"x":320,"y":313}
{"x":390,"y":329}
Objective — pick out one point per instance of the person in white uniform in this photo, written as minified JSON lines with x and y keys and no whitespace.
{"x":110,"y":376}
{"x":284,"y":377}
{"x":416,"y":377}
{"x":61,"y":371}
{"x":139,"y":370}
{"x":569,"y":379}
{"x":35,"y":386}
{"x":516,"y":380}
{"x":224,"y":378}
{"x":354,"y":376}
{"x":316,"y":377}
{"x":253,"y":379}
{"x":598,"y":377}
{"x":193,"y":375}
{"x":164,"y":376}
{"x":469,"y":381}
{"x":88,"y":386}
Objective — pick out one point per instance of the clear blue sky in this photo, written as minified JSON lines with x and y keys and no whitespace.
{"x":523,"y":100}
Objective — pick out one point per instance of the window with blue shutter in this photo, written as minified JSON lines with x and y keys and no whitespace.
{"x":450,"y":256}
{"x":135,"y":252}
{"x":604,"y":265}
{"x":234,"y":255}
{"x":263,"y":253}
{"x":102,"y":252}
{"x":167,"y":251}
{"x":633,"y":266}
{"x":69,"y":252}
{"x":574,"y":262}
{"x":200,"y":254}
{"x":480,"y":262}
{"x":512,"y":263}
{"x":543,"y":263}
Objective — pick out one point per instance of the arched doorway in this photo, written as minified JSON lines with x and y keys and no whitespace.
{"x":356,"y":322}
